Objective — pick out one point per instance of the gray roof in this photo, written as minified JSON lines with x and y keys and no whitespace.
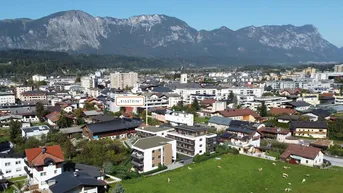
{"x":90,"y":170}
{"x":161,"y":89}
{"x":10,"y":117}
{"x":115,"y":125}
{"x":191,"y":128}
{"x":156,"y":129}
{"x":70,"y":130}
{"x":11,"y":155}
{"x":22,"y":110}
{"x":220,"y":120}
{"x":308,"y":124}
{"x":68,"y":181}
{"x":92,"y":113}
{"x":299,"y":104}
{"x":150,"y":142}
{"x":289,"y":117}
{"x":102,"y":118}
{"x":36,"y":128}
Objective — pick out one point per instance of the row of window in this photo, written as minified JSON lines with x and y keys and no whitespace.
{"x":153,"y":158}
{"x":9,"y":171}
{"x":159,"y":150}
{"x":9,"y":163}
{"x":44,"y":173}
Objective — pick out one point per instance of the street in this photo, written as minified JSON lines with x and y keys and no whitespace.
{"x":334,"y":161}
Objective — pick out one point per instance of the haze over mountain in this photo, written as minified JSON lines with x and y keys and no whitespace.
{"x":164,"y":36}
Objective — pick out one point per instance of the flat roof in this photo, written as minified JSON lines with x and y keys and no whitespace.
{"x":155,"y":129}
{"x":35,"y":128}
{"x":150,"y":142}
{"x":191,"y":128}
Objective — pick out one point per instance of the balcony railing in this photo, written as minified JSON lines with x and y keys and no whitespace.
{"x":137,"y":163}
{"x":137,"y":155}
{"x":186,"y":148}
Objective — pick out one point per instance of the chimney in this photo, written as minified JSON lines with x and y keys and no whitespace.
{"x":44,"y":150}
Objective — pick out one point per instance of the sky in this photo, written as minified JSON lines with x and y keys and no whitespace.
{"x":326,"y":15}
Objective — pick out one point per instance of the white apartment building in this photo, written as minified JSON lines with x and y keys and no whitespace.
{"x":12,"y":165}
{"x":183,"y":78}
{"x":43,"y":163}
{"x":338,"y":99}
{"x":7,"y":98}
{"x":148,"y":153}
{"x":36,"y":131}
{"x":270,"y":102}
{"x":311,"y":98}
{"x":21,"y":89}
{"x":123,"y":80}
{"x":37,"y":78}
{"x":33,"y":96}
{"x":87,"y":82}
{"x":225,"y":92}
{"x":150,"y":131}
{"x":192,"y":140}
{"x":338,"y":68}
{"x":180,"y":118}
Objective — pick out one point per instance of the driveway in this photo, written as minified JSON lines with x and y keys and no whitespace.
{"x":334,"y":161}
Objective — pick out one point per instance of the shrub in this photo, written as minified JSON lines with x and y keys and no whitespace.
{"x":156,"y":170}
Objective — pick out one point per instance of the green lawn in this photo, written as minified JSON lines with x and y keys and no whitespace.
{"x":238,"y":174}
{"x":201,"y":119}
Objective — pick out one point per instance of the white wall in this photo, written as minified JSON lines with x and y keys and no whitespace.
{"x":47,"y":173}
{"x":7,"y":99}
{"x":318,"y":161}
{"x":15,"y":167}
{"x":180,"y":118}
{"x":200,"y":145}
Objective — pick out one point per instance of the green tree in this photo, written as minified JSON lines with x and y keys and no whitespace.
{"x":68,"y":149}
{"x":30,"y":82}
{"x":79,"y":118}
{"x":77,"y":79}
{"x":335,"y":130}
{"x":40,"y":110}
{"x":122,"y":109}
{"x":64,"y":121}
{"x":14,"y":130}
{"x":89,"y":106}
{"x":231,"y":95}
{"x":195,"y":104}
{"x":119,"y":189}
{"x":262,"y":109}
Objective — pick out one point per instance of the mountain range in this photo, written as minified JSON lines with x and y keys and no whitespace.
{"x":168,"y":37}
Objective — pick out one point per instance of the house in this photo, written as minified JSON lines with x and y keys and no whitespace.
{"x":43,"y":163}
{"x":304,"y":155}
{"x":180,"y":118}
{"x":280,"y":111}
{"x":209,"y":106}
{"x":12,"y":165}
{"x":70,"y":131}
{"x":288,"y":92}
{"x":318,"y":114}
{"x":149,"y":131}
{"x":90,"y":114}
{"x":20,"y":89}
{"x":33,"y":95}
{"x":327,"y":98}
{"x":35,"y":131}
{"x":102,"y":118}
{"x":298,"y":105}
{"x":287,"y":118}
{"x":322,"y":144}
{"x":192,"y":140}
{"x":115,"y":129}
{"x":77,"y":181}
{"x":220,"y":123}
{"x":6,"y":147}
{"x":148,"y":153}
{"x":5,"y":120}
{"x":311,"y":129}
{"x":311,"y":98}
{"x":274,"y":133}
{"x":241,"y":138}
{"x":6,"y":98}
{"x":53,"y":117}
{"x":239,"y":114}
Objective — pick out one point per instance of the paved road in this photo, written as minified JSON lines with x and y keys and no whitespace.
{"x":334,"y":161}
{"x":172,"y":166}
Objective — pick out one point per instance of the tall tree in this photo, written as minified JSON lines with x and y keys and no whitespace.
{"x":195,"y":104}
{"x":262,"y":109}
{"x":231,"y":95}
{"x":64,"y":121}
{"x":40,"y":110}
{"x":14,"y":130}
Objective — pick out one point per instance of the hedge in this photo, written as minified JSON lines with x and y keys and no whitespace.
{"x":156,"y":170}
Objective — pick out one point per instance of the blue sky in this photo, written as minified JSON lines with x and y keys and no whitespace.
{"x":326,"y":15}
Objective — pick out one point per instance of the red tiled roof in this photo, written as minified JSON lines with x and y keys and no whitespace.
{"x":36,"y":157}
{"x":273,"y":130}
{"x":327,"y":94}
{"x":300,"y":150}
{"x":208,"y":101}
{"x":239,"y":112}
{"x":279,"y":111}
{"x":53,"y":116}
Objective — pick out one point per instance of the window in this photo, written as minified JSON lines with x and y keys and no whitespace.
{"x":200,"y":139}
{"x":307,"y":161}
{"x":8,"y":171}
{"x":43,"y":174}
{"x":17,"y":162}
{"x":159,"y":150}
{"x":7,"y":163}
{"x":153,"y":151}
{"x":153,"y":158}
{"x":159,"y":156}
{"x":200,"y":151}
{"x":200,"y":145}
{"x":55,"y":172}
{"x":153,"y":165}
{"x":18,"y":170}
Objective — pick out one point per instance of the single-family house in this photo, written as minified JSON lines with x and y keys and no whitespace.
{"x":12,"y":165}
{"x":287,"y":118}
{"x":276,"y":111}
{"x":35,"y":131}
{"x":318,"y":114}
{"x":274,"y":133}
{"x":298,"y":105}
{"x":313,"y":129}
{"x":220,"y":123}
{"x":322,"y":144}
{"x":239,"y":114}
{"x":304,"y":155}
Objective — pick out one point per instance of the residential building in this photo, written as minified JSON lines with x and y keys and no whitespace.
{"x":248,"y":91}
{"x":192,"y":140}
{"x":270,"y":102}
{"x":115,"y":129}
{"x":298,"y":105}
{"x":318,"y":114}
{"x":220,"y":123}
{"x":148,"y":153}
{"x":304,"y":155}
{"x":239,"y":114}
{"x":281,"y":111}
{"x":210,"y":106}
{"x":123,"y":80}
{"x":322,"y":144}
{"x":38,"y":78}
{"x":287,"y":118}
{"x":33,"y":96}
{"x":87,"y":82}
{"x":183,"y":78}
{"x":180,"y":118}
{"x":7,"y":98}
{"x":43,"y":163}
{"x":311,"y":129}
{"x":35,"y":131}
{"x":12,"y":165}
{"x":242,"y":138}
{"x":6,"y":147}
{"x":149,"y":131}
{"x":311,"y":98}
{"x":21,"y":89}
{"x":274,"y":133}
{"x":338,"y":99}
{"x":338,"y":68}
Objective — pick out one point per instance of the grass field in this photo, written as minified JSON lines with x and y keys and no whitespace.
{"x":239,"y":174}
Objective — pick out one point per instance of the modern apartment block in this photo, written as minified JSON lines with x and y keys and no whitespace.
{"x":148,"y":153}
{"x":339,"y":68}
{"x":123,"y":80}
{"x":193,"y":140}
{"x":87,"y":82}
{"x":21,"y":89}
{"x":7,"y":98}
{"x":151,"y":131}
{"x":12,"y":165}
{"x":33,"y":95}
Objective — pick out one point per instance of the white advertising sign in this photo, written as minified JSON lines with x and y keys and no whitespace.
{"x":130,"y":101}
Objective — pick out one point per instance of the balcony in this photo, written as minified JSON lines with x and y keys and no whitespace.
{"x":137,"y":155}
{"x":137,"y":164}
{"x":185,"y":148}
